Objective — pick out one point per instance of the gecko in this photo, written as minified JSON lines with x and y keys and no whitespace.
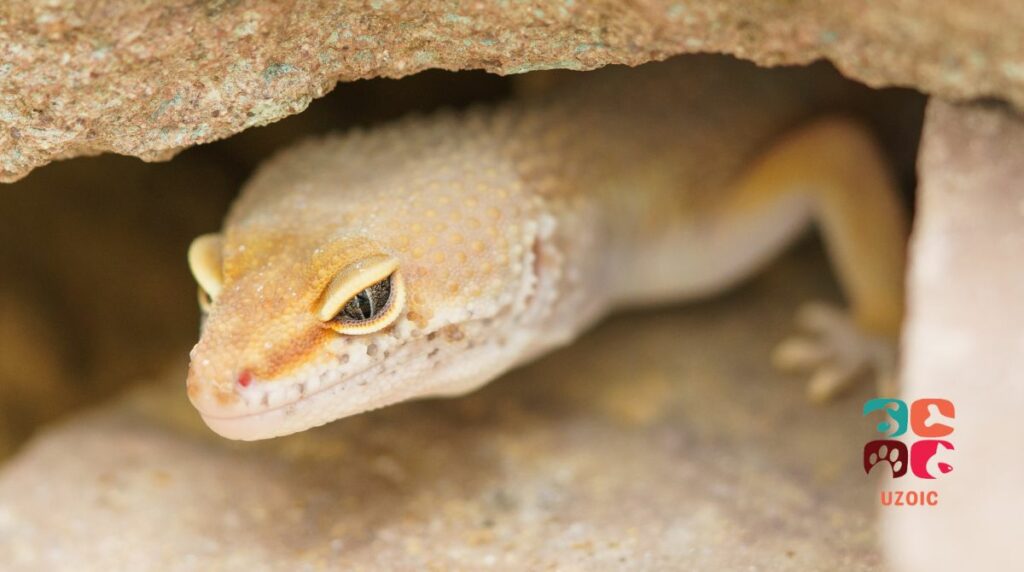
{"x":427,"y":256}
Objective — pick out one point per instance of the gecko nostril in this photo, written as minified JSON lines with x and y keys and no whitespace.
{"x":245,"y":378}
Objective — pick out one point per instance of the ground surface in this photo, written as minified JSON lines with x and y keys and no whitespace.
{"x":661,"y":440}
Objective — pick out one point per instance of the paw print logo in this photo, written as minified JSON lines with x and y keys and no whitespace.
{"x":926,"y":418}
{"x":888,"y":451}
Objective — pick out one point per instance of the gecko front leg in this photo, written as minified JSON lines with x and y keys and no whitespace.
{"x":835,"y":169}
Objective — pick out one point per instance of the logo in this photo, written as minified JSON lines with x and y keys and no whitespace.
{"x":930,"y":421}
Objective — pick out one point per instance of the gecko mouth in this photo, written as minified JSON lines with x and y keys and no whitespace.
{"x":311,"y":397}
{"x":323,"y":393}
{"x":328,"y":402}
{"x":266,"y":397}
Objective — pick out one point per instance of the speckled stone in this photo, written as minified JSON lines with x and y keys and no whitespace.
{"x":149,"y":79}
{"x":965,"y":341}
{"x":660,"y":441}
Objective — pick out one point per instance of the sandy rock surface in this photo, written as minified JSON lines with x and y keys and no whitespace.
{"x":80,"y":77}
{"x":964,"y":340}
{"x":662,"y":440}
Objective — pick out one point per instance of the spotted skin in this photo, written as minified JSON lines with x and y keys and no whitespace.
{"x":515,"y":228}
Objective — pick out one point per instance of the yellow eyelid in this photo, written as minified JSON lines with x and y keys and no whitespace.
{"x":206,"y":263}
{"x":352,"y":280}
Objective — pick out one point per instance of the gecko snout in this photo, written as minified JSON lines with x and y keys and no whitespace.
{"x":234,"y":393}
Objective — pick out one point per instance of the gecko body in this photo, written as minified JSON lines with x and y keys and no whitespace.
{"x":428,"y":256}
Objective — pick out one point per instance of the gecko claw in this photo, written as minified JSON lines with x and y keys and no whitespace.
{"x":836,"y":353}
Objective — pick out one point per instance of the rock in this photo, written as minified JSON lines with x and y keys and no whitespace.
{"x":150,"y":79}
{"x":662,"y":440}
{"x":965,"y":340}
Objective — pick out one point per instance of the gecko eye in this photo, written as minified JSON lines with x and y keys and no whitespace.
{"x":364,"y":297}
{"x":367,"y":304}
{"x":204,"y":260}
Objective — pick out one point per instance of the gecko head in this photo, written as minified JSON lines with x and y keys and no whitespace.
{"x":352,"y":305}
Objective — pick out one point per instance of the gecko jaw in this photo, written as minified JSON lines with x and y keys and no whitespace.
{"x":321,"y":393}
{"x":332,"y":401}
{"x":316,"y":394}
{"x":269,"y":409}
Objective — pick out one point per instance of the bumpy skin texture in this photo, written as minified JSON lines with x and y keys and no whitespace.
{"x":514,"y":227}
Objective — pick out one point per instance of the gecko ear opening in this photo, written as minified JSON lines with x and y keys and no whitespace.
{"x":364,"y":297}
{"x":206,"y":263}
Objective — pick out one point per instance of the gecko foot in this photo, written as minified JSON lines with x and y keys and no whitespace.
{"x":836,"y":352}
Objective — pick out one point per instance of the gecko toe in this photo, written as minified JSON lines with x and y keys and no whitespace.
{"x":836,"y":353}
{"x":799,"y":354}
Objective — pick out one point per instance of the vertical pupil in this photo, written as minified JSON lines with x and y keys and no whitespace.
{"x":368,"y":303}
{"x":365,"y":304}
